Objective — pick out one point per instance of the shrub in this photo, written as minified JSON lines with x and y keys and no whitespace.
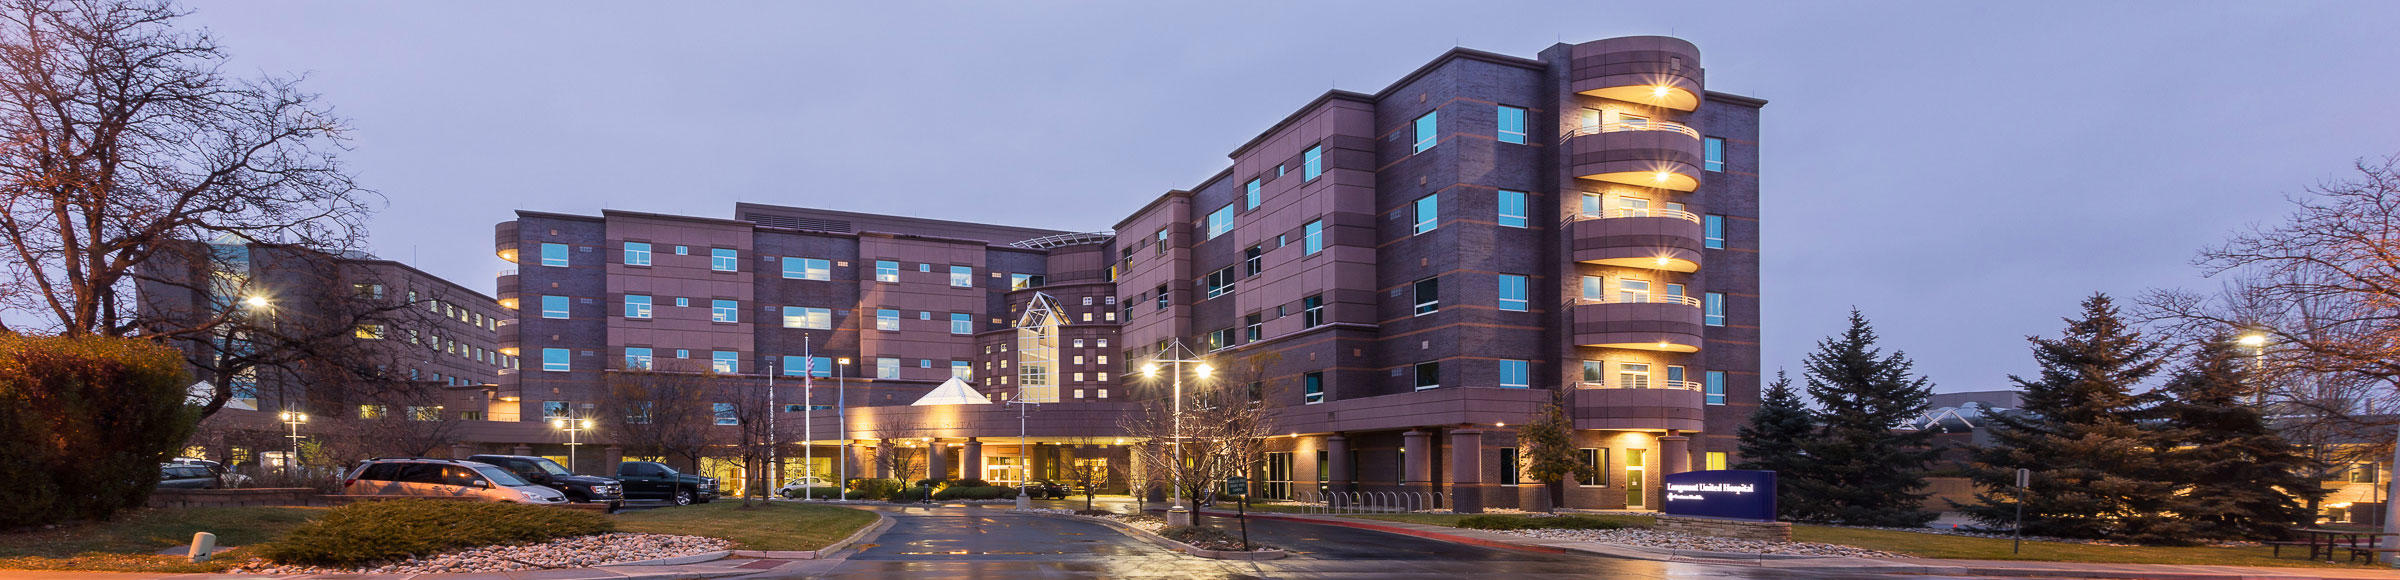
{"x":912,"y":494}
{"x":85,"y":422}
{"x":875,"y":488}
{"x":933,"y":482}
{"x":820,"y":492}
{"x":379,"y":531}
{"x":971,"y":482}
{"x":1497,"y":522}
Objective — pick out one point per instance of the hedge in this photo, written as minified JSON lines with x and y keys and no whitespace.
{"x":381,"y":531}
{"x":85,"y":422}
{"x":1495,"y":522}
{"x":973,"y":492}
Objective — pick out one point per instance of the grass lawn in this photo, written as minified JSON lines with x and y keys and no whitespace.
{"x":130,"y":542}
{"x":1451,"y":520}
{"x":766,"y":526}
{"x":1962,"y":547}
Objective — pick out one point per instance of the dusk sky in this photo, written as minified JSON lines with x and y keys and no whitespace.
{"x":1963,"y":173}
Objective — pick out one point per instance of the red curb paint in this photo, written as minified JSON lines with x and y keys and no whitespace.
{"x":1418,"y":533}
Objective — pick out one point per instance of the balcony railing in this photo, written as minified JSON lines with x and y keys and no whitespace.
{"x":1620,"y":126}
{"x":1636,"y":213}
{"x":1641,"y":299}
{"x":1674,"y":385}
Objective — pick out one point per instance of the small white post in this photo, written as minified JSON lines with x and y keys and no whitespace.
{"x":204,"y":544}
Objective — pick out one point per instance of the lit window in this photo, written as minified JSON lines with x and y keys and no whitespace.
{"x":1716,"y":460}
{"x":887,"y":368}
{"x":1515,"y":374}
{"x":1023,"y":281}
{"x":1595,"y":372}
{"x":961,"y":323}
{"x":725,"y":361}
{"x":1512,"y":125}
{"x":1713,"y":154}
{"x":725,"y":311}
{"x":1429,"y":296}
{"x":887,"y":319}
{"x":1716,"y":387}
{"x":637,"y":253}
{"x":554,"y":255}
{"x":1595,"y":288}
{"x":1428,"y":375}
{"x":1219,"y":222}
{"x":807,"y":269}
{"x":1713,"y":309}
{"x":724,"y":260}
{"x":1312,"y":237}
{"x":1715,"y":231}
{"x":962,"y":277}
{"x":554,"y":359}
{"x":1429,"y":213}
{"x":725,"y":414}
{"x":809,"y":318}
{"x":1425,"y":132}
{"x":637,"y":306}
{"x":964,"y":370}
{"x":1512,"y":293}
{"x":368,"y":332}
{"x":1512,"y":208}
{"x":1510,"y":472}
{"x":1250,"y":194}
{"x":1312,"y":163}
{"x":1633,"y":376}
{"x":554,"y":307}
{"x":1312,"y":388}
{"x":887,"y":271}
{"x":637,"y":358}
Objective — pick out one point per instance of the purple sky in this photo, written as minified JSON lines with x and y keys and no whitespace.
{"x":1963,"y":173}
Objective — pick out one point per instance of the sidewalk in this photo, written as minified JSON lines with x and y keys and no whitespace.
{"x":727,"y":567}
{"x":1930,"y":566}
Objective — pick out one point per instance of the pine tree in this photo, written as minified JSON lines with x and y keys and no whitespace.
{"x":2244,"y":481}
{"x":1859,"y":469}
{"x":1550,"y":452}
{"x":1772,"y":439}
{"x":2094,"y":472}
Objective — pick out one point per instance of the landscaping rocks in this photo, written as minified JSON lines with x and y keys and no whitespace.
{"x":577,"y":552}
{"x":1673,"y":541}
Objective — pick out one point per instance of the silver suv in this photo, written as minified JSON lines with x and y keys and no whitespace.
{"x":445,"y":478}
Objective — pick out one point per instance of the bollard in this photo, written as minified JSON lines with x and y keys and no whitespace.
{"x":204,"y":544}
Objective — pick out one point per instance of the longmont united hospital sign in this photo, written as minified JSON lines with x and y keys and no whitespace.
{"x":1726,"y":493}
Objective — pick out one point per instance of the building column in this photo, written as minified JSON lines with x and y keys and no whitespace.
{"x":883,"y":467}
{"x":1417,"y":461}
{"x":1043,"y":463}
{"x":936,"y":465}
{"x":1466,"y":471}
{"x":463,"y":451}
{"x":1674,"y":454}
{"x":970,"y":465}
{"x":610,"y":456}
{"x":1337,"y":464}
{"x":521,"y":449}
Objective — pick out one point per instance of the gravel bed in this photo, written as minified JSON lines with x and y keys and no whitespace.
{"x":1059,"y":511}
{"x":1657,"y":539}
{"x":577,"y":552}
{"x":1143,"y":522}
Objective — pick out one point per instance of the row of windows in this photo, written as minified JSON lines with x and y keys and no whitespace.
{"x":797,"y":268}
{"x":1517,"y":374}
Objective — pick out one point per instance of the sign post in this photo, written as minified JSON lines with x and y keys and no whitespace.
{"x":2024,"y":477}
{"x":1240,"y":487}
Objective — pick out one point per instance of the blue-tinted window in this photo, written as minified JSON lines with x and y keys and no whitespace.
{"x":1250,"y":194}
{"x":637,"y":358}
{"x":1429,"y":213}
{"x":1713,"y":154}
{"x":961,"y":323}
{"x":1515,"y":374}
{"x":554,"y":307}
{"x":887,"y":319}
{"x":793,"y":366}
{"x":807,"y":269}
{"x":1312,"y":388}
{"x":725,"y":311}
{"x":887,"y":271}
{"x":725,"y":414}
{"x":1714,"y":309}
{"x":1220,"y":222}
{"x":555,"y":359}
{"x":1716,"y":387}
{"x":554,"y":255}
{"x":964,"y":370}
{"x":724,"y":260}
{"x":1312,"y":163}
{"x":962,"y":277}
{"x":1512,"y":293}
{"x":1512,"y":208}
{"x":1312,"y":237}
{"x":1426,"y":136}
{"x":725,"y":361}
{"x":809,"y":318}
{"x":637,"y":253}
{"x":1715,"y":226}
{"x":1512,"y":125}
{"x":637,"y":306}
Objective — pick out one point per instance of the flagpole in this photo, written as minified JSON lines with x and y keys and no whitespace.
{"x":808,"y":432}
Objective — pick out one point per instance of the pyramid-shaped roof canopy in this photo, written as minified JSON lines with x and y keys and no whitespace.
{"x":953,"y":392}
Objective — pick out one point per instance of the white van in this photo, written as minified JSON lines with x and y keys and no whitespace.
{"x":445,"y":478}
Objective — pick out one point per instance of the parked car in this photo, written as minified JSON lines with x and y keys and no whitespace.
{"x":445,"y":478}
{"x":178,"y":476}
{"x":654,"y":480}
{"x":792,"y":489}
{"x":1045,"y":489}
{"x":225,"y":478}
{"x":546,"y":473}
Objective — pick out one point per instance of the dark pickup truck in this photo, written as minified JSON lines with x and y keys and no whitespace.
{"x":654,"y":480}
{"x":546,"y":473}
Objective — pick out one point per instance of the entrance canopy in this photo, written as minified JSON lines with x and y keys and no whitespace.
{"x":953,"y":392}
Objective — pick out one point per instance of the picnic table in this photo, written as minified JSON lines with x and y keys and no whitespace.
{"x":2358,"y":542}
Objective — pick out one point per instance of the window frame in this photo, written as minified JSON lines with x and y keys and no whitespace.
{"x":565,"y":306}
{"x":725,"y":362}
{"x":557,"y":357}
{"x":648,"y":358}
{"x":1508,"y":198}
{"x":1312,"y":388}
{"x":962,"y":276}
{"x":1312,"y":163}
{"x":1713,"y":389}
{"x":881,"y":320}
{"x":1428,"y":213}
{"x":564,"y":258}
{"x":1220,"y":222}
{"x":1252,"y":195}
{"x":1418,"y":375}
{"x":1712,"y":229}
{"x":725,"y":311}
{"x":724,"y":260}
{"x":631,"y":253}
{"x":1712,"y":154}
{"x":1421,"y":290}
{"x":810,"y":268}
{"x":889,"y":275}
{"x":1521,"y":371}
{"x":1500,"y":125}
{"x":1520,"y":300}
{"x":1712,"y":311}
{"x":647,"y":307}
{"x":1427,"y":131}
{"x":962,"y":324}
{"x":1312,"y":237}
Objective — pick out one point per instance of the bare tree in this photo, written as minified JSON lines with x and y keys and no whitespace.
{"x":753,"y":437}
{"x":897,"y":459}
{"x":660,"y":414}
{"x":1221,"y":432}
{"x":123,"y":135}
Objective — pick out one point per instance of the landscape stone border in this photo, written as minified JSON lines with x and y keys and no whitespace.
{"x":1163,"y":542}
{"x":883,"y":522}
{"x":676,"y":560}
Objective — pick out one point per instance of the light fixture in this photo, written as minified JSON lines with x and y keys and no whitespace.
{"x":1661,"y":91}
{"x":1204,"y":370}
{"x":1500,"y":424}
{"x":2253,"y":340}
{"x":1150,"y":369}
{"x":1662,"y":260}
{"x":558,"y":423}
{"x":844,"y":361}
{"x":1661,"y":176}
{"x":255,"y":301}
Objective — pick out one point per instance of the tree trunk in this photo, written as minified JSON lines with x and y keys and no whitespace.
{"x":1558,"y":495}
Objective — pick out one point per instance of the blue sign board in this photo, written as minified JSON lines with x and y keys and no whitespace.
{"x":1724,"y":493}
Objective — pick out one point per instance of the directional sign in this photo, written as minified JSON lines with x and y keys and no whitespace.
{"x":1237,"y":485}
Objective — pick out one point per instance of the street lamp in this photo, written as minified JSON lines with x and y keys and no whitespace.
{"x":841,"y":372}
{"x":1024,"y":459}
{"x":2257,"y":341}
{"x":1178,"y":514}
{"x":573,"y":427}
{"x":293,"y":419}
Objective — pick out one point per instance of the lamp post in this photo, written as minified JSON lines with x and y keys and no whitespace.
{"x":841,"y":372}
{"x":292,"y":419}
{"x":573,"y":427}
{"x":1024,"y":459}
{"x":2257,"y":341}
{"x":1178,"y":514}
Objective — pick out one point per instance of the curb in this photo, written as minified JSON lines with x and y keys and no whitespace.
{"x":674,"y":560}
{"x":1163,"y":542}
{"x":1456,"y":539}
{"x":882,"y":522}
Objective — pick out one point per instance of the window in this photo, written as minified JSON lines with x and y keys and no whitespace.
{"x":725,"y":311}
{"x":807,"y":269}
{"x":1251,"y":261}
{"x":1716,"y":387}
{"x":554,"y":255}
{"x":1218,"y":339}
{"x":1253,"y":328}
{"x":554,"y":360}
{"x":724,"y":260}
{"x":1312,"y":388}
{"x":1512,"y":208}
{"x":1633,"y":291}
{"x":887,"y":271}
{"x":1162,"y":241}
{"x":1596,"y":460}
{"x":1219,"y":222}
{"x":794,"y":366}
{"x":1595,"y":288}
{"x":887,"y":319}
{"x":1162,"y":297}
{"x":682,"y":302}
{"x":555,"y":410}
{"x":683,"y":250}
{"x":1312,"y":238}
{"x":1512,"y":125}
{"x":1220,"y":282}
{"x":1428,"y":375}
{"x":1716,"y":461}
{"x":1429,"y":296}
{"x":1714,"y":227}
{"x":725,"y":361}
{"x":1312,"y":311}
{"x":964,"y":370}
{"x":637,"y":253}
{"x":637,"y":306}
{"x":1425,"y":131}
{"x":1595,"y":372}
{"x":1675,"y":377}
{"x":554,"y":307}
{"x":1633,"y":376}
{"x":1250,"y":194}
{"x":806,"y":317}
{"x":726,"y":415}
{"x":1312,"y":163}
{"x":887,"y":368}
{"x":1713,"y":309}
{"x":368,"y":291}
{"x":962,"y":277}
{"x":1713,"y":153}
{"x":1512,"y":293}
{"x":1429,"y":213}
{"x":1510,"y":472}
{"x":2362,"y":473}
{"x":637,"y":358}
{"x":1023,"y":281}
{"x":1515,"y":374}
{"x":962,"y":323}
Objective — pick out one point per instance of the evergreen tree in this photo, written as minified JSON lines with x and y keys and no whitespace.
{"x":1772,"y":439}
{"x":1550,"y":452}
{"x":2244,"y":481}
{"x":2094,"y":472}
{"x":1859,"y":469}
